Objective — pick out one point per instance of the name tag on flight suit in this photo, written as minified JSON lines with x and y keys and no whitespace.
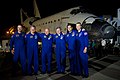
{"x":17,"y":35}
{"x":56,"y":36}
{"x":22,"y":34}
{"x":31,"y":36}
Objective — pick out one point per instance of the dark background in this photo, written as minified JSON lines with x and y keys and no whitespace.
{"x":10,"y":9}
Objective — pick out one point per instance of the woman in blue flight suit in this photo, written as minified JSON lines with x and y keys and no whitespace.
{"x":47,"y":40}
{"x":32,"y":50}
{"x":18,"y":41}
{"x":59,"y":39}
{"x":71,"y":41}
{"x":82,"y":44}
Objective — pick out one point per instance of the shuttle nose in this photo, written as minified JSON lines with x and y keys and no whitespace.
{"x":99,"y":28}
{"x":107,"y":31}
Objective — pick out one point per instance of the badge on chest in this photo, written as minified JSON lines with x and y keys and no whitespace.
{"x":73,"y":34}
{"x":31,"y":36}
{"x":76,"y":34}
{"x":22,"y":34}
{"x":56,"y":36}
{"x":45,"y":36}
{"x":17,"y":35}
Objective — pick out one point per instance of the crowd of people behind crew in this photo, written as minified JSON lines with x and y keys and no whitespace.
{"x":25,"y":47}
{"x":102,"y":47}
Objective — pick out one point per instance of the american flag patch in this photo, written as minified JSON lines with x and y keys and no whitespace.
{"x":85,"y":33}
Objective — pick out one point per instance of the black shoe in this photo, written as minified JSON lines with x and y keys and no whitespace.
{"x":78,"y":74}
{"x":75,"y":74}
{"x":58,"y":72}
{"x":29,"y":74}
{"x":14,"y":75}
{"x":42,"y":72}
{"x":85,"y":76}
{"x":62,"y":72}
{"x":49,"y":72}
{"x":72,"y":74}
{"x":35,"y":73}
{"x":24,"y":74}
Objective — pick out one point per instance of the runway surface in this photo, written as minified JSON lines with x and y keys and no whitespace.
{"x":106,"y":68}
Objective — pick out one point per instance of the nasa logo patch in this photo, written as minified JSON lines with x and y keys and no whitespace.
{"x":83,"y":29}
{"x":56,"y":36}
{"x":45,"y":36}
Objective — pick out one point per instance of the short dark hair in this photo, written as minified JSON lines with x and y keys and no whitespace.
{"x":78,"y":23}
{"x":20,"y":25}
{"x":33,"y":26}
{"x":58,"y":28}
{"x":69,"y":25}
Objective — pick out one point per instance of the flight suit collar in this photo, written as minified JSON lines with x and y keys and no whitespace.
{"x":33,"y":34}
{"x":70,"y":32}
{"x":79,"y":30}
{"x":47,"y":35}
{"x":59,"y":34}
{"x":18,"y":33}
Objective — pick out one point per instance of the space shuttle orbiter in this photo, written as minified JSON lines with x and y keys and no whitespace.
{"x":36,"y":10}
{"x":96,"y":27}
{"x":27,"y":22}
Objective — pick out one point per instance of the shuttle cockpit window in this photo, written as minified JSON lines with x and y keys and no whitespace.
{"x":80,"y":10}
{"x":75,"y":11}
{"x":54,"y":20}
{"x":58,"y":19}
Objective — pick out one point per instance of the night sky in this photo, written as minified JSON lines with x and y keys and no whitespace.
{"x":10,"y":9}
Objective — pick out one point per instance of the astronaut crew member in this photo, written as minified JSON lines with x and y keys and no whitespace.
{"x":82,"y":45}
{"x":47,"y":40}
{"x":60,"y":50}
{"x":17,"y":48}
{"x":71,"y":41}
{"x":32,"y":50}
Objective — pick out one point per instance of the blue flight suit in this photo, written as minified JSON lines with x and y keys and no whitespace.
{"x":71,"y":41}
{"x":60,"y":52}
{"x":47,"y":41}
{"x":32,"y":51}
{"x":18,"y":42}
{"x":82,"y":41}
